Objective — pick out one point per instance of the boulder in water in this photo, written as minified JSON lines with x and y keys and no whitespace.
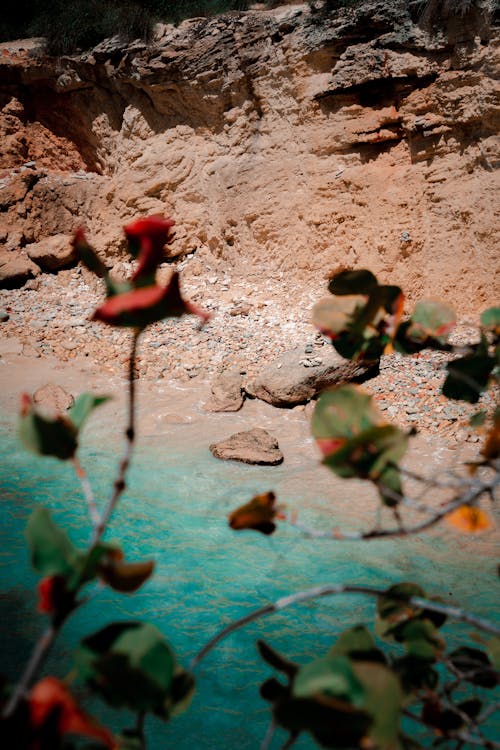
{"x":255,"y":446}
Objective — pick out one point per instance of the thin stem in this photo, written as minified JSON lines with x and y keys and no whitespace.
{"x":319,"y":591}
{"x":44,"y":643}
{"x":37,"y":658}
{"x":460,"y":736}
{"x":469,"y":497}
{"x":268,"y":738}
{"x":87,"y":492}
{"x":119,"y":485}
{"x":431,"y":481}
{"x":488,"y":711}
{"x":290,"y":741}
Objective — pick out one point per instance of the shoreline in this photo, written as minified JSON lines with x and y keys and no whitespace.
{"x":171,"y":413}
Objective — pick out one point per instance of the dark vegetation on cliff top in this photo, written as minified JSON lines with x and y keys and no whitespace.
{"x":68,"y":27}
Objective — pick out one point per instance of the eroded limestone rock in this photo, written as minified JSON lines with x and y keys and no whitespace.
{"x":295,"y":377}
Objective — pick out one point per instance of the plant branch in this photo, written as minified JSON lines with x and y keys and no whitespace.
{"x":488,"y":711}
{"x":37,"y":658}
{"x":330,"y":590}
{"x":119,"y":485}
{"x":460,"y":735}
{"x":87,"y":492}
{"x":432,"y":481}
{"x":470,"y":496}
{"x":266,"y":742}
{"x":44,"y":643}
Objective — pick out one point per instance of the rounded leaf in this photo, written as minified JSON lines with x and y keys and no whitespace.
{"x":490,"y":319}
{"x":431,"y":320}
{"x":330,"y":675}
{"x":352,"y":282}
{"x":382,"y":699}
{"x":53,"y":708}
{"x":259,"y":514}
{"x":44,"y":435}
{"x":342,"y":413}
{"x":333,"y":316}
{"x":130,"y":664}
{"x":149,"y":304}
{"x":469,"y":519}
{"x":123,"y":576}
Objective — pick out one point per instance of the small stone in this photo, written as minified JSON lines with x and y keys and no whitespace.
{"x":4,"y":316}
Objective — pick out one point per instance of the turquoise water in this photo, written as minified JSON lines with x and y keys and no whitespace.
{"x":175,"y":510}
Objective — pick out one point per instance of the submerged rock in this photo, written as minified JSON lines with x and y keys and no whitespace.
{"x":294,"y":378}
{"x":255,"y":446}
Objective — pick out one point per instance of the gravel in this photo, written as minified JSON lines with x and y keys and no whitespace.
{"x":54,"y":320}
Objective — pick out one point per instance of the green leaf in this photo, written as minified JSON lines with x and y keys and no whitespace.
{"x":393,"y":607}
{"x":493,"y":649}
{"x":131,"y":665}
{"x":490,"y":319}
{"x":468,"y":377}
{"x":382,"y":700}
{"x":330,"y":675}
{"x":478,"y":419}
{"x":333,"y":316}
{"x":83,"y":407}
{"x":390,"y":486}
{"x":431,"y":320}
{"x":352,"y":282}
{"x":350,"y":432}
{"x":343,"y":413}
{"x":370,"y":455}
{"x":48,"y":436}
{"x":415,"y":673}
{"x":52,"y":552}
{"x":420,"y":638}
{"x":476,"y":666}
{"x":357,"y":643}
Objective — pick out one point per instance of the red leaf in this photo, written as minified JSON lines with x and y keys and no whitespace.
{"x":328,"y":446}
{"x":148,"y":304}
{"x":258,"y":514}
{"x":50,"y":698}
{"x":150,"y":234}
{"x":53,"y":596}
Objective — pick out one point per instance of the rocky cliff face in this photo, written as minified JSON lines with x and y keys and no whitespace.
{"x":285,"y":144}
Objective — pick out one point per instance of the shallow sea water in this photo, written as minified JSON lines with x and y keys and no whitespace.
{"x":175,"y":510}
